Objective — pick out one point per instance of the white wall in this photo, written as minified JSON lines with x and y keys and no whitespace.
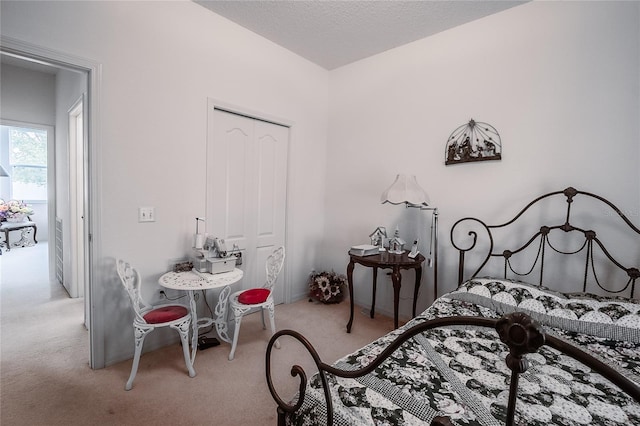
{"x":564,"y":97}
{"x":558,"y":80}
{"x":160,"y":62}
{"x":29,"y":97}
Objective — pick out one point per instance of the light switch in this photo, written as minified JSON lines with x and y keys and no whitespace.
{"x":146,"y":214}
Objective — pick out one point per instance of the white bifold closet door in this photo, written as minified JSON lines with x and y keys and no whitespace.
{"x":246,"y":190}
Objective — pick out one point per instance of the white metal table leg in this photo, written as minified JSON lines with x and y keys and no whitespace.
{"x":221,"y":314}
{"x":194,"y":326}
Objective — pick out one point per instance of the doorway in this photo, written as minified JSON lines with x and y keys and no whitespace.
{"x":80,"y":261}
{"x":26,"y":154}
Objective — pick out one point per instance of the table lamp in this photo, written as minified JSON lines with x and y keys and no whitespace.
{"x":405,"y":190}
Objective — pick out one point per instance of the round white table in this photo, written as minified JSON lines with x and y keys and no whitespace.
{"x":193,"y":281}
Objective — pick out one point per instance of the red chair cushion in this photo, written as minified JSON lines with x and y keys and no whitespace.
{"x":165,"y":314}
{"x":254,"y":296}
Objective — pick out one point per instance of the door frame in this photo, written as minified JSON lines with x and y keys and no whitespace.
{"x":92,"y":195}
{"x":212,"y":105}
{"x":76,"y":114}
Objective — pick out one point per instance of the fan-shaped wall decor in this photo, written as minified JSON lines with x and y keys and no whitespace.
{"x":474,"y":141}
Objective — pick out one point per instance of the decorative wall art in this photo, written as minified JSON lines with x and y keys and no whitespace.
{"x":474,"y":141}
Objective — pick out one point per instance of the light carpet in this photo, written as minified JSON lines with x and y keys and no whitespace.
{"x":45,"y":378}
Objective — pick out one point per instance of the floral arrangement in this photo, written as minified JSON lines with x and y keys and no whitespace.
{"x":14,"y":210}
{"x":327,"y":287}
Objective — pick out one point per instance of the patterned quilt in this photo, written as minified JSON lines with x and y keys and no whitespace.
{"x":461,"y":371}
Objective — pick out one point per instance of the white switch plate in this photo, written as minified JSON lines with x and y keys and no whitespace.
{"x":146,"y":214}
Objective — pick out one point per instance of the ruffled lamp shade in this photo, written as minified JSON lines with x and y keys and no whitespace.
{"x":405,"y":190}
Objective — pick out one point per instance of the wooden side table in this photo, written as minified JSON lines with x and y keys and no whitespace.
{"x":386,"y":260}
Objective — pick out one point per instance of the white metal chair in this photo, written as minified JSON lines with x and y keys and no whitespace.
{"x":148,"y":318}
{"x":244,"y":301}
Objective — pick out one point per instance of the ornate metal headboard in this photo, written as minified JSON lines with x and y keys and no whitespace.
{"x":590,"y":245}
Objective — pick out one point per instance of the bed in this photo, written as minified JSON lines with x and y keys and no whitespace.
{"x":506,"y":348}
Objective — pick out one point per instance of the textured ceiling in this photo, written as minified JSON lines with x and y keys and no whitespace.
{"x":335,"y":33}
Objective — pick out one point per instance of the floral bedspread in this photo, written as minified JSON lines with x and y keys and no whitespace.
{"x":461,"y":372}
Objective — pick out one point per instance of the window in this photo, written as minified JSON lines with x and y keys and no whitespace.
{"x":27,"y":155}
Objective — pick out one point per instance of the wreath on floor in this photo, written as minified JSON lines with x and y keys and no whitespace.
{"x":327,"y":287}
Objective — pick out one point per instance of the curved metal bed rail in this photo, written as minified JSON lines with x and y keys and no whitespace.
{"x":517,"y":330}
{"x":591,"y":241}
